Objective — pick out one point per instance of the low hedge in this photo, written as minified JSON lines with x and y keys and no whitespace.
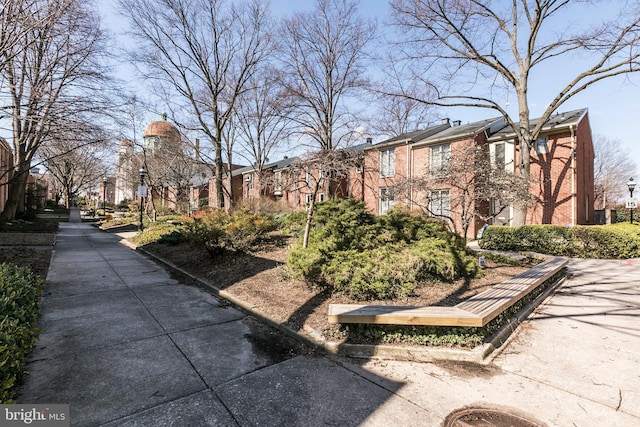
{"x":20,"y":293}
{"x":592,"y":241}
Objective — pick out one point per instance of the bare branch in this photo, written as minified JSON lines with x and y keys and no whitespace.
{"x":323,"y":61}
{"x":479,"y":44}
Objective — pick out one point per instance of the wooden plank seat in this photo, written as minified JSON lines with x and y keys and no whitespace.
{"x":476,"y":311}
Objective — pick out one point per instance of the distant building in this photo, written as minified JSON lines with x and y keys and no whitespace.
{"x":177,"y":180}
{"x":125,"y":168}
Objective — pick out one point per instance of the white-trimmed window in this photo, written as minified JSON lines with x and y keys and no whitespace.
{"x":502,"y":155}
{"x":307,"y":198}
{"x":440,"y":203}
{"x":388,"y":162}
{"x":277,"y":188}
{"x":499,"y":156}
{"x":439,"y":161}
{"x":307,"y":176}
{"x":541,"y":146}
{"x":386,"y":200}
{"x":321,"y":197}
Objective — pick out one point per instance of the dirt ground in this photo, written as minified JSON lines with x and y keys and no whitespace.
{"x":35,"y":259}
{"x":262,"y":279}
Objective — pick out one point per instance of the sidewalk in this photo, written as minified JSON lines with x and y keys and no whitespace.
{"x":125,"y":344}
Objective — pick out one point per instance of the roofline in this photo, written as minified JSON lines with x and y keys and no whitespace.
{"x":395,"y":141}
{"x":547,"y":129}
{"x":459,"y":136}
{"x":251,"y":169}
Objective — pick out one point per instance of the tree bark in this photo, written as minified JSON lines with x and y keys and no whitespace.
{"x":307,"y":225}
{"x":15,"y":197}
{"x":219,"y":187}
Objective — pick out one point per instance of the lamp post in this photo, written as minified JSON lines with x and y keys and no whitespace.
{"x":631,"y":185}
{"x":104,"y":195}
{"x":142,"y":193}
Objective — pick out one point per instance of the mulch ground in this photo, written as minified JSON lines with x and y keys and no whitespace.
{"x":38,"y":258}
{"x":35,"y":259}
{"x":262,"y":279}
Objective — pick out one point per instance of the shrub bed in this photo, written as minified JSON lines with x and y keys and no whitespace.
{"x":20,"y":293}
{"x":218,"y":231}
{"x":370,"y":257}
{"x":594,"y":241}
{"x":167,"y":230}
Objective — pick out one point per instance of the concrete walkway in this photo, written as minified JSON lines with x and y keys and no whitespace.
{"x":125,"y":344}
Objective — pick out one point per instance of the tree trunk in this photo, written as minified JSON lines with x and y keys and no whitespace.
{"x":67,"y":201}
{"x":219,"y":168}
{"x":15,"y":195}
{"x":524,"y":170}
{"x":230,"y":182}
{"x":524,"y":167}
{"x":307,"y":225}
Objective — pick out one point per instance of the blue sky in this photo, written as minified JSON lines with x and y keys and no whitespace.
{"x":614,"y":105}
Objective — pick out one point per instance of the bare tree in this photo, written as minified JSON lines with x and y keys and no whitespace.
{"x":51,"y":78}
{"x":466,"y":186}
{"x":129,"y":118}
{"x":170,"y":175}
{"x":323,"y":55}
{"x":74,"y":168}
{"x":318,"y":171}
{"x":481,"y":48}
{"x":15,"y":22}
{"x":399,"y":114}
{"x":204,"y":51}
{"x":263,"y":122}
{"x":395,"y":116}
{"x":612,"y":169}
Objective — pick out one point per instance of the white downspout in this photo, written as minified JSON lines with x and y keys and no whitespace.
{"x":573,"y":176}
{"x":411,"y":169}
{"x":409,"y":200}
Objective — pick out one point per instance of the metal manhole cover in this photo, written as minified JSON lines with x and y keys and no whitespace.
{"x":489,"y":417}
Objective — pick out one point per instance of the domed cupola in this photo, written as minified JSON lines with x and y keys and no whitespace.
{"x":161,"y":134}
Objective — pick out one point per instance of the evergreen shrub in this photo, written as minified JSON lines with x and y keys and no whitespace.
{"x":162,"y":231}
{"x":369,"y":257}
{"x":20,"y":293}
{"x":217,"y":230}
{"x":290,"y":222}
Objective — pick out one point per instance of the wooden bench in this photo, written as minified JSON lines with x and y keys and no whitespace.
{"x":476,"y":311}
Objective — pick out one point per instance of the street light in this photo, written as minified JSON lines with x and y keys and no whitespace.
{"x":104,"y":195}
{"x":631,"y":185}
{"x":141,"y":192}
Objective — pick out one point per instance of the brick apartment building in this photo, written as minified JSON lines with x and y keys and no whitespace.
{"x":273,"y":183}
{"x":562,"y":186}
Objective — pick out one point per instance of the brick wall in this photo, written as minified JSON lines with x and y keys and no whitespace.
{"x":554,"y":179}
